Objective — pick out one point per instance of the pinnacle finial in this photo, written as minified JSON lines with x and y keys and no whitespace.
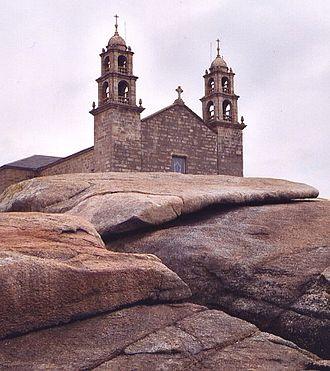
{"x":218,"y":48}
{"x":116,"y":24}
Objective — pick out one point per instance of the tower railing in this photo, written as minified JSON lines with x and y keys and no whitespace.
{"x":227,"y":117}
{"x":122,"y":69}
{"x":124,"y":100}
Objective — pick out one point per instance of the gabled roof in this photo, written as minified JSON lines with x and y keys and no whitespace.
{"x":40,"y":162}
{"x":171,"y":106}
{"x":62,"y":159}
{"x":31,"y":163}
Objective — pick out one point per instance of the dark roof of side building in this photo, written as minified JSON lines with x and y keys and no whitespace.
{"x":31,"y":163}
{"x":40,"y":162}
{"x":62,"y":159}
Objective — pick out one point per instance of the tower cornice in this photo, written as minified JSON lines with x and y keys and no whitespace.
{"x":116,"y":74}
{"x":225,"y":124}
{"x":117,"y":50}
{"x":211,"y":73}
{"x":116,"y":105}
{"x":219,"y":94}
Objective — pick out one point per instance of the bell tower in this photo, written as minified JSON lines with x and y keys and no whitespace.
{"x":220,"y":114}
{"x":117,"y":124}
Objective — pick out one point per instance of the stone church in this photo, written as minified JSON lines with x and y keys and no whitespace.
{"x":172,"y":139}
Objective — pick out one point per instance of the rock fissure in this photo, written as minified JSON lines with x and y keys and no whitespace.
{"x":83,"y":317}
{"x":121,"y":351}
{"x":238,"y":294}
{"x":96,"y":194}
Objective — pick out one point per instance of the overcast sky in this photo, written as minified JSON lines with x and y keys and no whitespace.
{"x":279,"y":50}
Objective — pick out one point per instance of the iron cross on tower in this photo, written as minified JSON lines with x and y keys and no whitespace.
{"x":116,"y":25}
{"x":179,"y":91}
{"x":218,"y":47}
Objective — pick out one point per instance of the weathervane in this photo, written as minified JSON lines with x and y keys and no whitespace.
{"x":218,"y":48}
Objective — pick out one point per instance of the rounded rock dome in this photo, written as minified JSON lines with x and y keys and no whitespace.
{"x":117,"y":41}
{"x":218,"y":62}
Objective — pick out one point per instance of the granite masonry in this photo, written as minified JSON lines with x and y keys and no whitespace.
{"x":172,"y":139}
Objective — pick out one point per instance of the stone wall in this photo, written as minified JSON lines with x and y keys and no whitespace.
{"x":80,"y":162}
{"x":117,"y":139}
{"x":10,"y":176}
{"x":230,"y":149}
{"x":178,"y":131}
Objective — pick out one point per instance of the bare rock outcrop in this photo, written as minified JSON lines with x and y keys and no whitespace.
{"x":157,"y":337}
{"x":54,"y":269}
{"x":122,"y":202}
{"x":266,"y":264}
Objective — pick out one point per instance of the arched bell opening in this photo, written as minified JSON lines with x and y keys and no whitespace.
{"x":211,"y":86}
{"x":106,"y":64}
{"x":122,"y":64}
{"x":105,"y":92}
{"x":123,"y":90}
{"x":225,"y":85}
{"x":210,"y":111}
{"x":226,"y":110}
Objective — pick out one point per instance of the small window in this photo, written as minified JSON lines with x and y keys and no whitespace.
{"x":178,"y":164}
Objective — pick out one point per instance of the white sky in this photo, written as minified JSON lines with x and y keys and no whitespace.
{"x":279,"y":49}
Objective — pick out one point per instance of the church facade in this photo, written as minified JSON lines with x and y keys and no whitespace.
{"x":172,"y":139}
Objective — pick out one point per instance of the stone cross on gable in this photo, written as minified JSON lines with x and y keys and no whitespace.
{"x":179,"y":91}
